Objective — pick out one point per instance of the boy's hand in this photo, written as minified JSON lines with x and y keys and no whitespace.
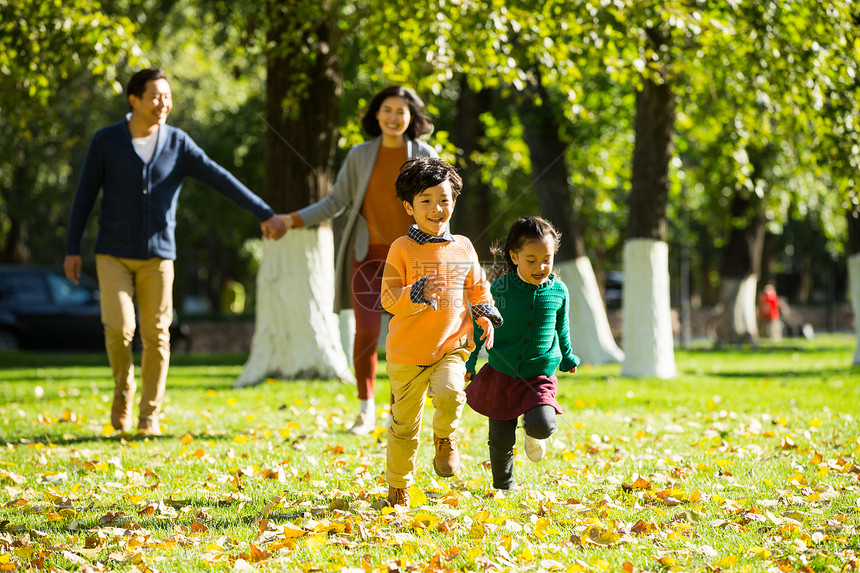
{"x":489,"y":332}
{"x":469,"y":376}
{"x":434,"y":286}
{"x":573,"y":371}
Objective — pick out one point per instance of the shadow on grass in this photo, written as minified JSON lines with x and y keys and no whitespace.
{"x":76,"y":359}
{"x":131,"y":520}
{"x":764,"y":373}
{"x":72,"y":440}
{"x":743,"y":349}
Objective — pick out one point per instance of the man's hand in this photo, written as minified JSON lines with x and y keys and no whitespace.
{"x":273,"y":227}
{"x":72,"y":265}
{"x":489,"y":331}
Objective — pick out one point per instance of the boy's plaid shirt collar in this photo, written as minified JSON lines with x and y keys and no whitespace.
{"x":422,"y":238}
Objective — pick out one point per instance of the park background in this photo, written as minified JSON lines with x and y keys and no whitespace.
{"x":725,"y":132}
{"x":722,"y":136}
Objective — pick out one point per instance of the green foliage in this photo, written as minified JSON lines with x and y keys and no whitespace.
{"x":50,"y":53}
{"x":46,"y":45}
{"x":767,"y":101}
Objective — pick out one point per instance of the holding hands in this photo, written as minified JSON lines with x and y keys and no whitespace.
{"x":274,"y":227}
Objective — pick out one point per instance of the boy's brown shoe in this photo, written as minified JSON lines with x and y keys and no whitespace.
{"x":398,"y":496}
{"x":447,"y":460}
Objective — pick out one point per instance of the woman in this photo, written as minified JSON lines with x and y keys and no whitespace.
{"x":395,"y":119}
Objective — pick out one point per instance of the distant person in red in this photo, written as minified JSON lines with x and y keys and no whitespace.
{"x":768,"y":309}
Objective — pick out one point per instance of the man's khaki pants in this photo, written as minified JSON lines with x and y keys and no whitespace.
{"x":150,"y":283}
{"x":443,"y":382}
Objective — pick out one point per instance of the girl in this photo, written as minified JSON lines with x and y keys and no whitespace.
{"x":394,"y":119}
{"x":532,"y":342}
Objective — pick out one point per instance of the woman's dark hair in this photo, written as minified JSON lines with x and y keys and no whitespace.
{"x":418,"y":124}
{"x":522,"y":231}
{"x":137,"y":84}
{"x":420,"y":173}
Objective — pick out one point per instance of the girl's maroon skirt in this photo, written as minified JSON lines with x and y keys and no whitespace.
{"x":502,"y":397}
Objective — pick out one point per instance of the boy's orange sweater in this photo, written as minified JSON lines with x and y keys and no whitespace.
{"x":418,"y":334}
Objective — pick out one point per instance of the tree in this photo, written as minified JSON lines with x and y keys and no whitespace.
{"x":48,"y":52}
{"x":760,"y":154}
{"x":303,"y":90}
{"x":550,"y":177}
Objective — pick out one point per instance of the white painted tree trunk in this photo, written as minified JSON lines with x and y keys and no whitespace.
{"x":296,"y":335}
{"x":646,"y":315}
{"x":590,"y":334}
{"x":854,"y":281}
{"x":739,"y":323}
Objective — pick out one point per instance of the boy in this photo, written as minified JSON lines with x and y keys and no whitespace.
{"x":433,"y":286}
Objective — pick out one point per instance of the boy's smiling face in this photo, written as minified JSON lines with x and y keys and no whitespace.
{"x":432,"y":208}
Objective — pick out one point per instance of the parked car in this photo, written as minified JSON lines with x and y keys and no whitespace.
{"x":614,"y":289}
{"x":40,"y":309}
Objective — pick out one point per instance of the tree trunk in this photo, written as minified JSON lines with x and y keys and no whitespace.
{"x":590,"y":331}
{"x":17,"y":205}
{"x":853,"y":255}
{"x":647,"y":317}
{"x":297,"y":335}
{"x":473,"y":217}
{"x":648,"y":338}
{"x":739,"y":271}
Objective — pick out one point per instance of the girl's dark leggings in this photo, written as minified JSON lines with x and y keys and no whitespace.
{"x":539,"y":423}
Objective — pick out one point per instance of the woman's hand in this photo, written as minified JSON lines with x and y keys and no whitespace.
{"x":288,"y":221}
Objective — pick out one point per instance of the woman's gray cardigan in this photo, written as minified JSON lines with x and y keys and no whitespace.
{"x":350,"y":187}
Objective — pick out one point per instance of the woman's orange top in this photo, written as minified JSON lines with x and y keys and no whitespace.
{"x":386,"y":218}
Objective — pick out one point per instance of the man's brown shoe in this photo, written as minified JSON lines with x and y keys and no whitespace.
{"x":447,"y":460}
{"x":152,"y":429}
{"x":121,"y":410}
{"x":398,"y":496}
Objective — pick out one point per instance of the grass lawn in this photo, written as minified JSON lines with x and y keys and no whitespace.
{"x":748,"y":461}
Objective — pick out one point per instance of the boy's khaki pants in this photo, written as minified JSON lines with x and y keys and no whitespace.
{"x":150,"y":283}
{"x":443,"y":382}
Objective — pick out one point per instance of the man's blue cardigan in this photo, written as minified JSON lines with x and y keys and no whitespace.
{"x":138,"y":205}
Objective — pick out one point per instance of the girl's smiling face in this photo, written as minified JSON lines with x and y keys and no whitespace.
{"x":534,"y":260}
{"x":432,"y":208}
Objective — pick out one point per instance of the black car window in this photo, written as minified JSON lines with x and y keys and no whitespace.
{"x":29,"y":289}
{"x":65,"y":292}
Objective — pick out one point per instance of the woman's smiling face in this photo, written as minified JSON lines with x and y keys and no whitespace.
{"x":394,"y":116}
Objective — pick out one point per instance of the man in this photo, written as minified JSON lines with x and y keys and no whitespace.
{"x":139,"y":165}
